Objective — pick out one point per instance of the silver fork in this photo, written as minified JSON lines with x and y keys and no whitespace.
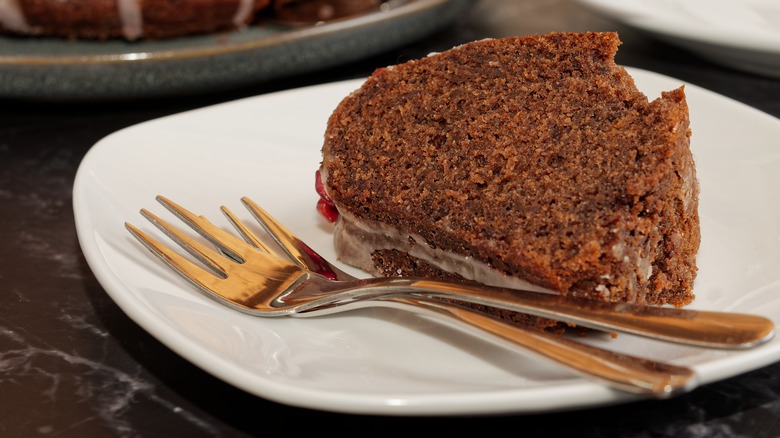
{"x":309,"y":291}
{"x":250,"y":279}
{"x":265,"y":285}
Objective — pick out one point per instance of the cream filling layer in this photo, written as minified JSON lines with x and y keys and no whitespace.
{"x":355,"y":240}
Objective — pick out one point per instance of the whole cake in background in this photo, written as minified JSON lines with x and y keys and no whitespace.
{"x":157,"y":19}
{"x":528,"y":159}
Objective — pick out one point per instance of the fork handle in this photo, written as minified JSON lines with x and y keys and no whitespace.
{"x":617,"y":370}
{"x":708,"y":329}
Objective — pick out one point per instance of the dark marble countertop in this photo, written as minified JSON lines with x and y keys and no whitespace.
{"x":73,"y":364}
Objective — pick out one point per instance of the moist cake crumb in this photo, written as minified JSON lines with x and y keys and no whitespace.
{"x":532,"y":158}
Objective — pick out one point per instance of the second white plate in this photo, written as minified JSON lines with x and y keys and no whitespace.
{"x":742,"y":34}
{"x":388,"y":361}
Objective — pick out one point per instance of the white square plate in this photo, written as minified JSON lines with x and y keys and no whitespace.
{"x":387,"y":361}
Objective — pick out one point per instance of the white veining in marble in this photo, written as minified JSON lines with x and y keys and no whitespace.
{"x":58,"y":375}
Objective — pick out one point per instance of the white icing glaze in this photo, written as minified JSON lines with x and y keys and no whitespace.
{"x":131,"y":17}
{"x":242,"y":12}
{"x":688,"y":188}
{"x":12,"y":17}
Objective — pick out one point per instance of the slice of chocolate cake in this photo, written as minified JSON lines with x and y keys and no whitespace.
{"x":529,"y":159}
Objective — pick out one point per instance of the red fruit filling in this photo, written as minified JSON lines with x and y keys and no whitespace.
{"x":325,"y":205}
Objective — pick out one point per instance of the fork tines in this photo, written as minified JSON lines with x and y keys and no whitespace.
{"x":216,"y":261}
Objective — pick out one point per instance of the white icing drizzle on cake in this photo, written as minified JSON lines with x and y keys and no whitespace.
{"x":12,"y":17}
{"x":242,"y":12}
{"x":131,"y":18}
